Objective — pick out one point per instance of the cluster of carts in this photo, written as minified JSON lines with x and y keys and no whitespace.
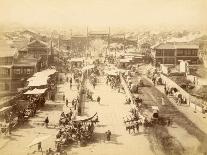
{"x":80,"y":131}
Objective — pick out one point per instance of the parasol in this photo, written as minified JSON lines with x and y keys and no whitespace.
{"x":38,"y":140}
{"x":84,"y":118}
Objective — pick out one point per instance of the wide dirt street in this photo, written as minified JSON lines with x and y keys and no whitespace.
{"x":111,"y":111}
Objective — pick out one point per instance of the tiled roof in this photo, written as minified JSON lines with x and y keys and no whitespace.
{"x":186,"y":46}
{"x":176,"y":45}
{"x":165,"y":46}
{"x":38,"y":42}
{"x":26,"y":61}
{"x":6,"y":50}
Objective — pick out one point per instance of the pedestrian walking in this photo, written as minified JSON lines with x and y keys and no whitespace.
{"x":154,"y":80}
{"x":71,"y":113}
{"x":98,"y":99}
{"x":168,"y":122}
{"x":94,"y":85}
{"x":167,"y":92}
{"x":46,"y":121}
{"x":108,"y":135}
{"x":165,"y":88}
{"x":39,"y":146}
{"x":9,"y":127}
{"x":179,"y":101}
{"x":66,"y":102}
{"x":63,"y":97}
{"x":71,"y":81}
{"x":137,"y":89}
{"x":137,"y":126}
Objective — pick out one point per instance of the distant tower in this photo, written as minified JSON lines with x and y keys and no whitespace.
{"x":71,"y":41}
{"x":50,"y":57}
{"x":59,"y":41}
{"x":124,"y":43}
{"x":109,"y":35}
{"x":51,"y":50}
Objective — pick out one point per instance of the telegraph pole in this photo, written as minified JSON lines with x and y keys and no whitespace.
{"x":71,"y":44}
{"x":109,"y":34}
{"x":137,"y":41}
{"x":109,"y":37}
{"x":51,"y":51}
{"x":124,"y":43}
{"x":58,"y":41}
{"x":87,"y":43}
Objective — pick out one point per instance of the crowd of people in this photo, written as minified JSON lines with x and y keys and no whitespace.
{"x":35,"y":102}
{"x":72,"y":130}
{"x":113,"y":81}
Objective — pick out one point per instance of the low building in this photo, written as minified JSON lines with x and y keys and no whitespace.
{"x":173,"y":52}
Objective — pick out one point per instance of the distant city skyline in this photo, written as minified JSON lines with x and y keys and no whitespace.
{"x":115,"y":13}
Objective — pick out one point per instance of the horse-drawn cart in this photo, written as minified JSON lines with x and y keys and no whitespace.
{"x":154,"y":118}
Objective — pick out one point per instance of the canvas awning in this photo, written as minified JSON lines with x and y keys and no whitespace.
{"x":40,"y":78}
{"x":35,"y":91}
{"x":37,"y":82}
{"x":45,"y":73}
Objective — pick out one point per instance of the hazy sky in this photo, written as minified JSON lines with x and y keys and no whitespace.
{"x":104,"y":12}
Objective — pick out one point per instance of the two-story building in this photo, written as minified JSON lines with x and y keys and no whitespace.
{"x":14,"y":69}
{"x":173,"y":52}
{"x":40,"y":51}
{"x":22,"y":69}
{"x":7,"y":55}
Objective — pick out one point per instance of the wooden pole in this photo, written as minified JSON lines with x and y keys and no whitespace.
{"x":124,"y":43}
{"x":71,"y":42}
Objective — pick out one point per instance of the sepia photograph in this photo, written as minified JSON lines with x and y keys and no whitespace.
{"x":103,"y":77}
